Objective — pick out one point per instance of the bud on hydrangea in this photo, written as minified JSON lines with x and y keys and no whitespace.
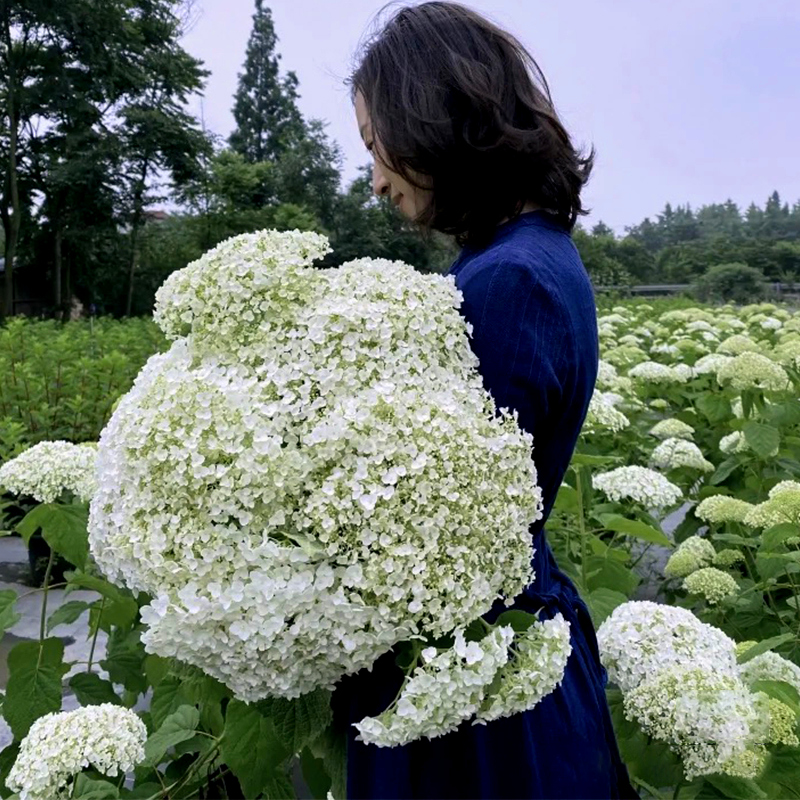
{"x":47,"y":469}
{"x":728,"y":557}
{"x":672,"y":429}
{"x":714,"y":584}
{"x":106,"y":737}
{"x":722,"y":508}
{"x":690,"y":555}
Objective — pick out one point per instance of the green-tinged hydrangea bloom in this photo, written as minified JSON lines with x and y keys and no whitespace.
{"x":737,"y":344}
{"x":640,"y":484}
{"x":752,"y":370}
{"x":641,"y":638}
{"x":313,"y":472}
{"x":784,"y":486}
{"x":743,"y":647}
{"x":722,"y":508}
{"x":624,"y":355}
{"x":770,"y":666}
{"x":535,"y":670}
{"x":706,"y":717}
{"x":787,"y":353}
{"x":47,"y":469}
{"x":690,"y":555}
{"x":602,"y":415}
{"x":59,"y":746}
{"x":672,"y":429}
{"x":782,"y":724}
{"x":748,"y":764}
{"x":714,"y":584}
{"x":779,"y":509}
{"x":659,"y":403}
{"x":448,"y":688}
{"x":728,"y":557}
{"x":676,"y":453}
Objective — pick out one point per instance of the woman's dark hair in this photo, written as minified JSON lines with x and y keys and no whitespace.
{"x":451,"y":98}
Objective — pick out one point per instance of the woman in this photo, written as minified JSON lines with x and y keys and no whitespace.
{"x":465,"y":142}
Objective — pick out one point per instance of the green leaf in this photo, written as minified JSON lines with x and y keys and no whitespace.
{"x":331,"y":747}
{"x":156,"y":669}
{"x":736,"y":788}
{"x":566,"y":500}
{"x":635,"y":528}
{"x":8,"y":757}
{"x":776,"y":535}
{"x":784,"y":415}
{"x":610,"y":574}
{"x":177,"y":727}
{"x":602,"y":602}
{"x":714,"y":408}
{"x":125,"y":655}
{"x":63,"y":528}
{"x":315,"y":774}
{"x":88,"y":789}
{"x":779,"y":690}
{"x":725,"y":470}
{"x":278,"y":786}
{"x":520,"y":621}
{"x":251,"y":747}
{"x":764,"y":439}
{"x":783,"y":767}
{"x":763,"y":646}
{"x":587,"y":460}
{"x":34,"y":683}
{"x":66,"y":613}
{"x":8,"y":616}
{"x":167,"y":698}
{"x":301,"y":720}
{"x":81,"y":580}
{"x":92,"y":690}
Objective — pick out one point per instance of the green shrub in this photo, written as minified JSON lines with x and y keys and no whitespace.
{"x":735,"y":282}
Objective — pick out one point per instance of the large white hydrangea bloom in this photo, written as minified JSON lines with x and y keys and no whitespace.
{"x":47,"y":469}
{"x":59,"y":746}
{"x":643,"y":485}
{"x":313,"y":471}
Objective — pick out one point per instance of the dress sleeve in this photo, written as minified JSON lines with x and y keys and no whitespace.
{"x":520,"y":336}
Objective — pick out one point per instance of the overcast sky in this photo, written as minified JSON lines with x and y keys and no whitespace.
{"x":690,"y":101}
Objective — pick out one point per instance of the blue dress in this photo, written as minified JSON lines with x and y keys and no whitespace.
{"x":532,"y":308}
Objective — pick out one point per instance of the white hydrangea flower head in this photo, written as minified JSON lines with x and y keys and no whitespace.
{"x":771,"y":324}
{"x":448,"y":688}
{"x":707,"y":717}
{"x":784,"y":486}
{"x":47,"y":469}
{"x":683,"y":372}
{"x":653,"y":372}
{"x":659,"y":403}
{"x":783,"y":507}
{"x":770,"y":666}
{"x":612,"y":319}
{"x":602,"y":415}
{"x":787,"y":353}
{"x":722,"y":508}
{"x":643,"y":485}
{"x":106,"y":737}
{"x":640,"y":638}
{"x":625,"y":355}
{"x":782,"y":723}
{"x":606,"y":374}
{"x":690,"y":555}
{"x":675,"y":453}
{"x":712,"y":583}
{"x":329,"y":481}
{"x":710,"y":363}
{"x":734,"y":442}
{"x":737,"y":344}
{"x":672,"y":429}
{"x":700,"y":325}
{"x":752,"y":370}
{"x":535,"y":670}
{"x":630,"y":338}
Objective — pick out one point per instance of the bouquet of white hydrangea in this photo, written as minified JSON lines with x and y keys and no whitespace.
{"x":313,"y":472}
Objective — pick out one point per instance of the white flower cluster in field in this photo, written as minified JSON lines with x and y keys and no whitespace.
{"x":672,"y":429}
{"x":313,"y":472}
{"x":712,"y":583}
{"x":46,"y":470}
{"x":682,"y":685}
{"x":535,"y":670}
{"x":106,"y":737}
{"x":640,"y":484}
{"x":690,"y":555}
{"x":728,"y":557}
{"x":787,"y":353}
{"x":711,"y":363}
{"x":737,"y":344}
{"x":675,"y":453}
{"x":446,"y":689}
{"x":653,"y":372}
{"x":783,"y":506}
{"x":752,"y":370}
{"x":770,"y":666}
{"x":602,"y":414}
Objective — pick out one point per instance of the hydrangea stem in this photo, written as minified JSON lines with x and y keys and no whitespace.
{"x":96,"y":631}
{"x":43,"y":619}
{"x":582,"y":527}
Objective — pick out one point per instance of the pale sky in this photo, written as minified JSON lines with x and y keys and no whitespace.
{"x":687,"y":101}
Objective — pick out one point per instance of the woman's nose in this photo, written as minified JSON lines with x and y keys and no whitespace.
{"x":380,"y":186}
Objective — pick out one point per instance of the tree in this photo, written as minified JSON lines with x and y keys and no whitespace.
{"x":268,"y":122}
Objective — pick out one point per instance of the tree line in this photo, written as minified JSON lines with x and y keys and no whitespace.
{"x":95,"y":134}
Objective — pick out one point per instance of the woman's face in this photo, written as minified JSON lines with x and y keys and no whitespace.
{"x":409,"y":199}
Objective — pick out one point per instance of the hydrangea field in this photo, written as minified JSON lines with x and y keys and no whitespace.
{"x":678,"y":520}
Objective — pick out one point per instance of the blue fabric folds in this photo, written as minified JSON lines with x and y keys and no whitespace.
{"x":531,"y":306}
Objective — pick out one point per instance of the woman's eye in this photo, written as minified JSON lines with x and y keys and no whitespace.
{"x":369,"y":147}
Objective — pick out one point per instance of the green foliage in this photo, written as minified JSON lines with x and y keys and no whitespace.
{"x":736,"y":282}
